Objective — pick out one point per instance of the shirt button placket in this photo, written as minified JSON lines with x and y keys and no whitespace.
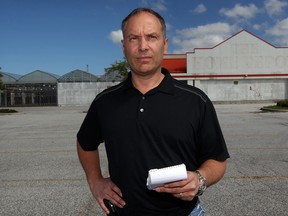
{"x":142,"y":109}
{"x":142,"y":106}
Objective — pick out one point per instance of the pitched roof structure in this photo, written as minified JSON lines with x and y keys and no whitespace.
{"x":110,"y":77}
{"x":39,"y":76}
{"x":9,"y":77}
{"x":78,"y":76}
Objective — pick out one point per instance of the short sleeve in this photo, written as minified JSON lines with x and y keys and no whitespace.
{"x":212,"y":144}
{"x":89,"y":135}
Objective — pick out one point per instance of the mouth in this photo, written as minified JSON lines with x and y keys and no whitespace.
{"x":144,"y":58}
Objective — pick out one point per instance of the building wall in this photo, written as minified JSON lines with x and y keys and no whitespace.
{"x":244,"y":90}
{"x":80,"y":93}
{"x":244,"y":67}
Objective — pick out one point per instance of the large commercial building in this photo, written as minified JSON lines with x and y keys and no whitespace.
{"x":242,"y":68}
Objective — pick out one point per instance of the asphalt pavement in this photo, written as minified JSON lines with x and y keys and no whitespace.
{"x":40,"y":173}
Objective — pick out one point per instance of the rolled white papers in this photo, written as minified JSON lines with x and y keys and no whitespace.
{"x":159,"y":177}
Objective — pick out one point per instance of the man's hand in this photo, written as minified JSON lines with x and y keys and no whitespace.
{"x":104,"y":188}
{"x":101,"y":188}
{"x":185,"y":189}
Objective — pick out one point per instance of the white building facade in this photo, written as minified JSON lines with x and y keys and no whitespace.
{"x":241,"y":68}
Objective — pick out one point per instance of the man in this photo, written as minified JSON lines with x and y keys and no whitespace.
{"x":151,"y":121}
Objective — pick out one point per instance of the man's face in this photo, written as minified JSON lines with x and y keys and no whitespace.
{"x":143,"y":43}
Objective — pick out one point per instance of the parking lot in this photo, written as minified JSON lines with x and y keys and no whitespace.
{"x":40,"y":173}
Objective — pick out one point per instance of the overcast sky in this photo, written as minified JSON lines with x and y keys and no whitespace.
{"x":59,"y":36}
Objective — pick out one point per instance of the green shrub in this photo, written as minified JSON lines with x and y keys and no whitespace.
{"x":282,"y":103}
{"x":7,"y":111}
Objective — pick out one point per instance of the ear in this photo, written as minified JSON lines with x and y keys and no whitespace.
{"x":123,"y":47}
{"x":166,"y":45}
{"x":122,"y":43}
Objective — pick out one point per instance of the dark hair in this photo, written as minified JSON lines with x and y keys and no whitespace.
{"x":147,"y":10}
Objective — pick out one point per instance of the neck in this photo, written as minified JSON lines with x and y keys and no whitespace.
{"x":146,"y":83}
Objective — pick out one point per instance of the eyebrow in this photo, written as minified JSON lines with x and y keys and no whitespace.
{"x":137,"y":35}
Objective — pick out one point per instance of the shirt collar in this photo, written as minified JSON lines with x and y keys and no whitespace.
{"x":166,"y":85}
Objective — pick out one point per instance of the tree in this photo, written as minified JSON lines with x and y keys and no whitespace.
{"x":121,"y":66}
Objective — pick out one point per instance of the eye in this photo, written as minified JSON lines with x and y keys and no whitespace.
{"x":132,"y":38}
{"x":152,"y":37}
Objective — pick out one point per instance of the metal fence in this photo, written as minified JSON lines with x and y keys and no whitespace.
{"x":38,"y":94}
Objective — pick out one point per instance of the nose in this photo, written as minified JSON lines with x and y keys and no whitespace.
{"x":143,"y":45}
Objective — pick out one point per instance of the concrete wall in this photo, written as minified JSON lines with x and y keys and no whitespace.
{"x":244,"y":90}
{"x":80,"y":93}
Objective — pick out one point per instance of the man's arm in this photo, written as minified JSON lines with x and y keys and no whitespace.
{"x":213,"y":171}
{"x":90,"y":162}
{"x":101,"y":188}
{"x":187,"y":189}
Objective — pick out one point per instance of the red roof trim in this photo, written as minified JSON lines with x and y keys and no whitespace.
{"x":175,"y":65}
{"x":227,"y":75}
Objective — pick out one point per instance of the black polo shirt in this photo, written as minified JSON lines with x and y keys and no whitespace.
{"x":171,"y":124}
